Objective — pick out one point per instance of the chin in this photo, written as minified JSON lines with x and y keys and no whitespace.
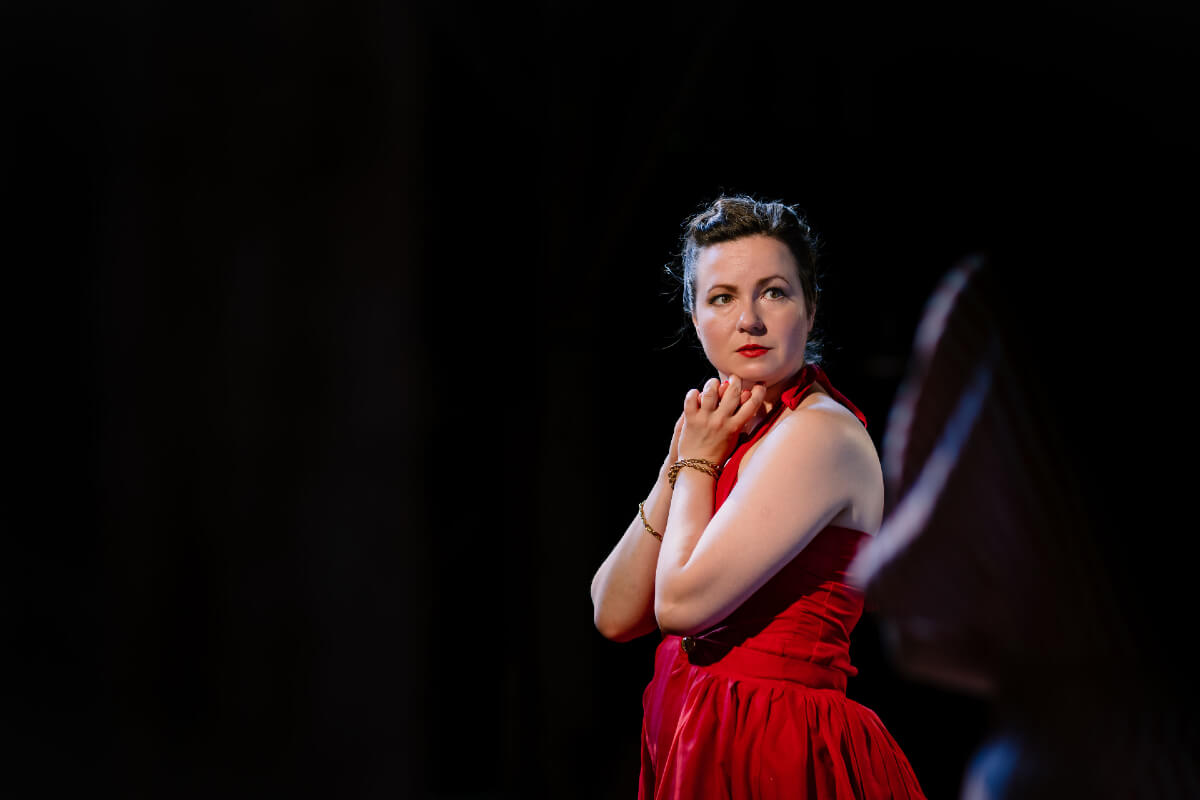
{"x":757,"y":373}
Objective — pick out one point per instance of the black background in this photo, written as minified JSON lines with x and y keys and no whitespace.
{"x":345,"y":350}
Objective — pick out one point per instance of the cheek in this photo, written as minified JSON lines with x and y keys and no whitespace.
{"x":798,"y":322}
{"x":792,"y":327}
{"x":708,"y":330}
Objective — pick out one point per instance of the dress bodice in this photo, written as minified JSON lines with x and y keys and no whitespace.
{"x":805,"y":612}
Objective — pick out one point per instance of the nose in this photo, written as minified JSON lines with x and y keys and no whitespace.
{"x":750,"y":321}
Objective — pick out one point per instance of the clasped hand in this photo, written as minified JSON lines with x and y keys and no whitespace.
{"x":715,"y":415}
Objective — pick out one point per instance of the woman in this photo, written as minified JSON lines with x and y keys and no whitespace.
{"x":738,"y":555}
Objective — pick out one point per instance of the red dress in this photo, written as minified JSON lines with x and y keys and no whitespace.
{"x":756,"y":706}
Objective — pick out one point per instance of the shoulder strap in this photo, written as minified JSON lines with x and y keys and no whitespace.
{"x":791,"y":397}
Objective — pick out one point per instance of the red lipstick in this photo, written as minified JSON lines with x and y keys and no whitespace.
{"x":752,"y":350}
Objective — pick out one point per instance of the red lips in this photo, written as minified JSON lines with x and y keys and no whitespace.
{"x":752,"y":350}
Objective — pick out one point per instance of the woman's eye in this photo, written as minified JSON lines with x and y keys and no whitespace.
{"x":774,"y":292}
{"x":719,"y":299}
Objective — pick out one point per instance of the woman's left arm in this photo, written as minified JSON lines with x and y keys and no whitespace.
{"x":801,"y":476}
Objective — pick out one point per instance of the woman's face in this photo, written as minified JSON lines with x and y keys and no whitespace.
{"x":751,"y":315}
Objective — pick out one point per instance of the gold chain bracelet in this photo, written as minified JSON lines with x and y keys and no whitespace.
{"x":649,"y":530}
{"x":702,"y":464}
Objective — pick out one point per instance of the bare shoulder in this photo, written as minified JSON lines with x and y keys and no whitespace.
{"x":822,"y":422}
{"x":821,"y":436}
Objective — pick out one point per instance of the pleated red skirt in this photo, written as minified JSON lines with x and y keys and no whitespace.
{"x":745,"y":727}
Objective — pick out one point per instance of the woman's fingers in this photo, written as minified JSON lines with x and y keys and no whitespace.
{"x":726,"y":396}
{"x":675,"y":433}
{"x":713,"y":416}
{"x":729,"y":401}
{"x":750,"y":407}
{"x":673,"y":450}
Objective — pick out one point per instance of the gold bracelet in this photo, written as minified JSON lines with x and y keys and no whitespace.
{"x":702,"y":464}
{"x":649,"y":530}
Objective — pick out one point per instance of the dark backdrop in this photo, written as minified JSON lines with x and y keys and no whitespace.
{"x":346,"y":353}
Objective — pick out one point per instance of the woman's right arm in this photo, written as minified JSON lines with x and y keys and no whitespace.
{"x":623,"y":588}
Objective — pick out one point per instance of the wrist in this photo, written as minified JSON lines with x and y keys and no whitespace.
{"x":699,"y":456}
{"x":660,"y":492}
{"x":702,"y":465}
{"x":664,"y":471}
{"x":661,"y":482}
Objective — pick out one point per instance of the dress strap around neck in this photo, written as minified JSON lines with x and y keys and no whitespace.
{"x":801,"y":385}
{"x":790,"y":398}
{"x":809,"y":377}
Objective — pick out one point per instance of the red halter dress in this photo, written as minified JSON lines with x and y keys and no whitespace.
{"x":756,"y":706}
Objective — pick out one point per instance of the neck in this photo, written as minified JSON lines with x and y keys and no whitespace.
{"x":768,"y":404}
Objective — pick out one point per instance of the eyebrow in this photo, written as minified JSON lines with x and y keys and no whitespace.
{"x":728,"y":286}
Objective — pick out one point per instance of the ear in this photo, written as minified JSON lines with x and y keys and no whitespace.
{"x":812,"y":318}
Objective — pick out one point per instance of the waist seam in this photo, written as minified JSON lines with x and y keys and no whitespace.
{"x":738,"y":661}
